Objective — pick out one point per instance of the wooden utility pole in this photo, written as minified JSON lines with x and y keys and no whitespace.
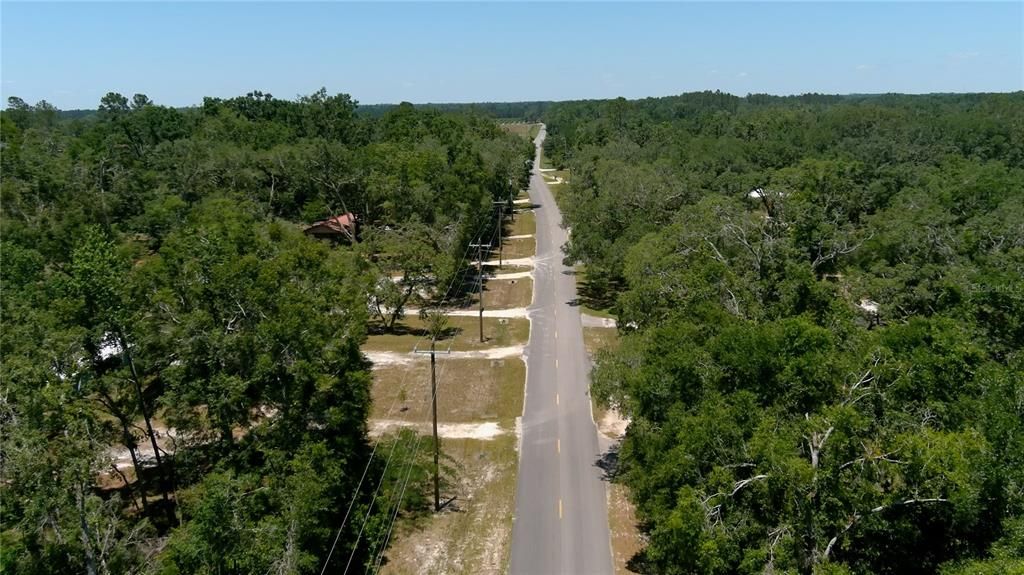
{"x":501,"y":224}
{"x":437,"y":440}
{"x":438,"y":326}
{"x":480,"y":281}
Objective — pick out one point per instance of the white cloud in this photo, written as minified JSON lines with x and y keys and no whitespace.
{"x":741,"y":75}
{"x":863,"y":67}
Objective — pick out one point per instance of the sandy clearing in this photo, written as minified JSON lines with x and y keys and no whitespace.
{"x":514,"y":312}
{"x":594,"y":321}
{"x":484,"y":431}
{"x":613,"y":425}
{"x":381,"y":358}
{"x":512,"y":262}
{"x":510,"y":276}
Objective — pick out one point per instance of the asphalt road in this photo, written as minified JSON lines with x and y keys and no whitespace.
{"x":561,"y":517}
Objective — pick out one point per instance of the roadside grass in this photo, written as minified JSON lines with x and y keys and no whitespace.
{"x":596,"y":312}
{"x":534,"y":130}
{"x":544,"y":162}
{"x":600,"y":338}
{"x":468,"y":390}
{"x":473,"y":534}
{"x":521,"y":248}
{"x":462,"y":334}
{"x":626,"y":538}
{"x":525,"y":223}
{"x":564,"y":174}
{"x":504,"y":294}
{"x":558,"y":191}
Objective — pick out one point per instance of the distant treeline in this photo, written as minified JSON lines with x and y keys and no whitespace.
{"x":534,"y":111}
{"x":524,"y":111}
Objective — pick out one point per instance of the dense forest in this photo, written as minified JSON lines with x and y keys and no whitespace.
{"x":183,"y":387}
{"x":821,"y":305}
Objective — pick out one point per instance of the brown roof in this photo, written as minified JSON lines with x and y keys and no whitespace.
{"x":345,"y":223}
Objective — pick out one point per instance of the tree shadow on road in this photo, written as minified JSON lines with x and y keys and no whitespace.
{"x":609,"y":462}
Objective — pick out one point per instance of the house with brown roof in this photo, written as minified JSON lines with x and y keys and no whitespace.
{"x":338,"y":228}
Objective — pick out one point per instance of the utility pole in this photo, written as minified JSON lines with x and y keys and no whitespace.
{"x":480,"y":282}
{"x":433,"y":396}
{"x":501,"y":224}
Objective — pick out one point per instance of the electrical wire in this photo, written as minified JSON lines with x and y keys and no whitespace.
{"x":461,"y":276}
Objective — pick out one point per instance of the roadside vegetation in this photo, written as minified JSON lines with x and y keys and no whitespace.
{"x":479,"y":399}
{"x":821,"y":310}
{"x":158,"y":289}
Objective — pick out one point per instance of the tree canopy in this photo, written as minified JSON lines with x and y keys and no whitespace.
{"x":820,"y":301}
{"x":183,"y":387}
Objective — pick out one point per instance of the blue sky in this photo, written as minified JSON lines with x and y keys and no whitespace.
{"x":72,"y":53}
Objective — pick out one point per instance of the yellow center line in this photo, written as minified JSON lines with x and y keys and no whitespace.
{"x":558,"y":445}
{"x":556,"y":364}
{"x":559,"y":508}
{"x":556,"y":399}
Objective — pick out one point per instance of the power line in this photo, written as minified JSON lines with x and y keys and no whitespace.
{"x":419,"y":437}
{"x":373,"y":452}
{"x":405,"y":484}
{"x":369,"y":509}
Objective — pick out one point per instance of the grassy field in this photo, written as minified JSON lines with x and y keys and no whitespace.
{"x":523,"y":130}
{"x":463,"y":335}
{"x":519,"y":248}
{"x":468,"y":390}
{"x":504,"y":294}
{"x":524,"y":224}
{"x":474,"y":533}
{"x":563,"y":174}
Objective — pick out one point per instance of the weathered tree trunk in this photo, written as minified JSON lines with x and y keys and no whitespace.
{"x":83,"y":526}
{"x":129,"y":442}
{"x":149,"y":425}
